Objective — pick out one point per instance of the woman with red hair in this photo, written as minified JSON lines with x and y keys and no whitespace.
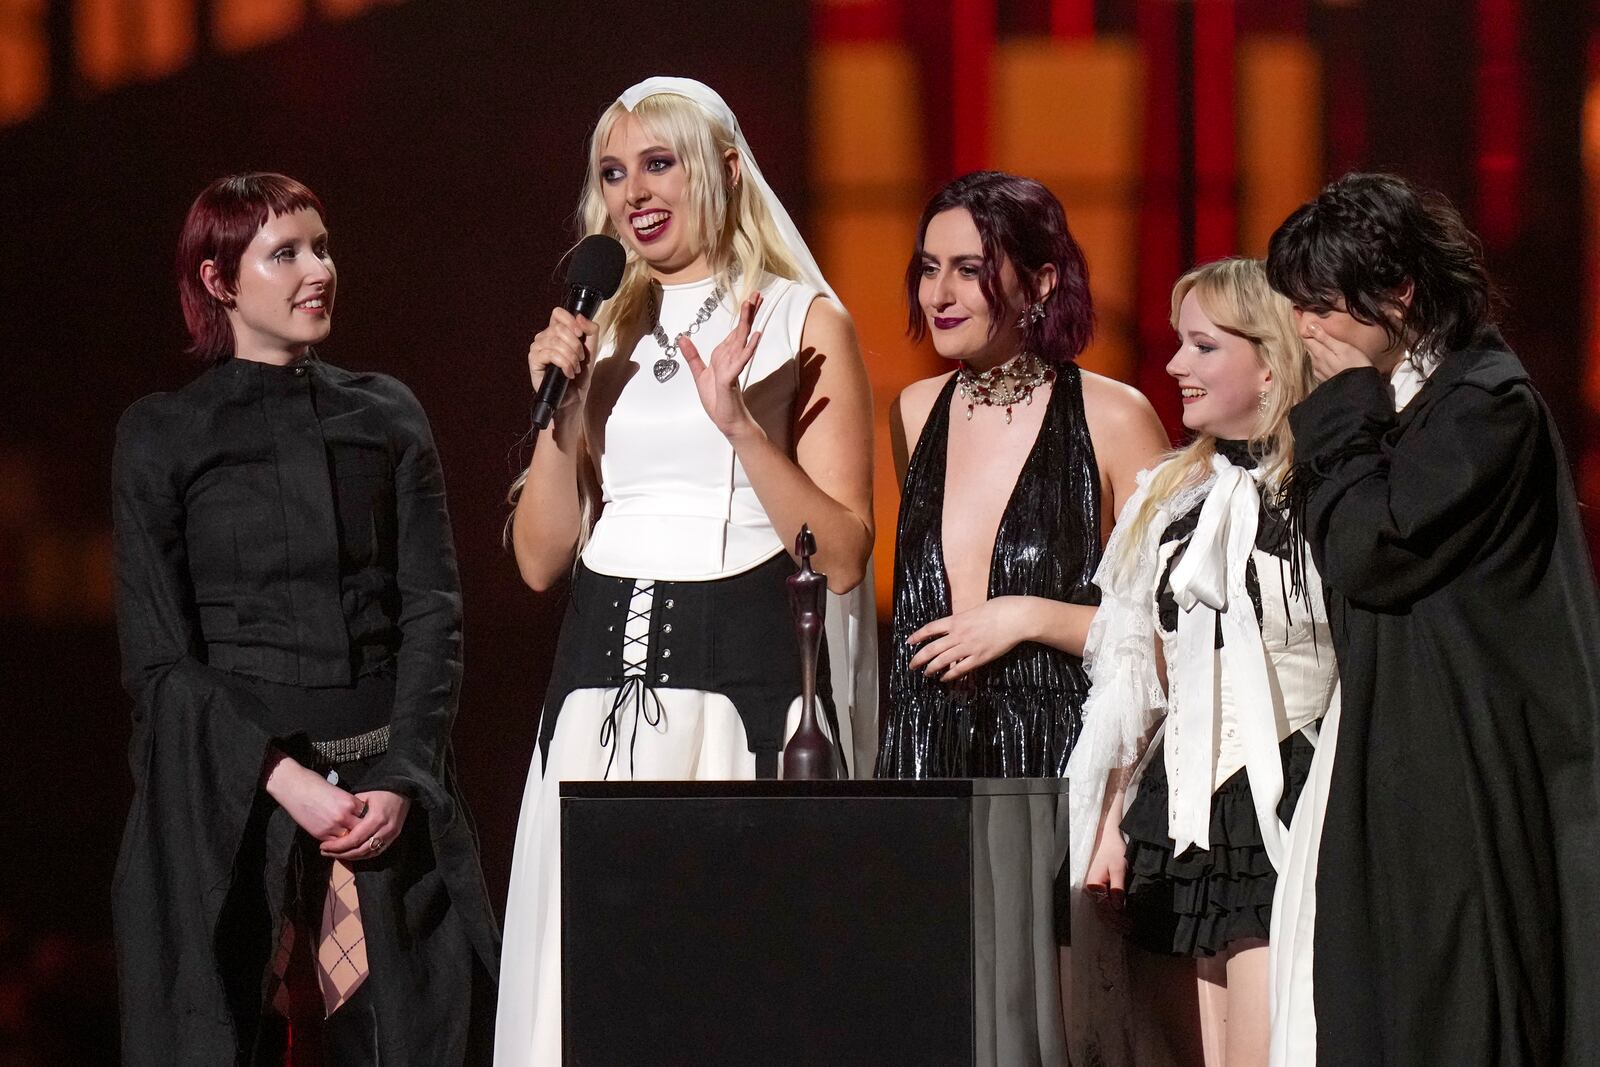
{"x":290,"y":620}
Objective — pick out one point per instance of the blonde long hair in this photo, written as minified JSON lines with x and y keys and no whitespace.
{"x":1235,"y":296}
{"x":729,"y":219}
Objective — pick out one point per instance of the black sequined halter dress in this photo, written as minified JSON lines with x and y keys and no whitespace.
{"x":1018,"y":716}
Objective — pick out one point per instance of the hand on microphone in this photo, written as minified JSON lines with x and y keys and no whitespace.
{"x":563,"y":347}
{"x":592,"y":277}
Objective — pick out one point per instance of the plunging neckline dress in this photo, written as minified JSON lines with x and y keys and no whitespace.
{"x":1019,"y":715}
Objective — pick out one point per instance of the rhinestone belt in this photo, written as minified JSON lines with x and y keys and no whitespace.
{"x":349,"y":749}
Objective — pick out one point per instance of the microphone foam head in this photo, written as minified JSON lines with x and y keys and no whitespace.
{"x":597,"y":264}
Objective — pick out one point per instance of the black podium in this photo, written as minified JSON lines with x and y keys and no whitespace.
{"x":768,"y":923}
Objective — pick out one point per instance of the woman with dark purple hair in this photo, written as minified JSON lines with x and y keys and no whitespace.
{"x":1013,"y":466}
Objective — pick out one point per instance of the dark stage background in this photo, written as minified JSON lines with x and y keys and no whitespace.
{"x":447,"y":139}
{"x":448,"y":142}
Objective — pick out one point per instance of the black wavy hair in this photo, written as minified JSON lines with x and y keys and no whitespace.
{"x":1363,"y":238}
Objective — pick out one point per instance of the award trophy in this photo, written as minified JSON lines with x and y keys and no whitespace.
{"x":810,"y":753}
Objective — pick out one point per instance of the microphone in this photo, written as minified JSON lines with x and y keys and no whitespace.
{"x":592,"y":277}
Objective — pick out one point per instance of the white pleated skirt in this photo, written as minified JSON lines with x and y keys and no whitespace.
{"x":698,"y":736}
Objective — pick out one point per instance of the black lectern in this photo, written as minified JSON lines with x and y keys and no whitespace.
{"x":810,"y":922}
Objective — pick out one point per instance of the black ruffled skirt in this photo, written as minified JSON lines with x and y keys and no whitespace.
{"x":1199,"y":903}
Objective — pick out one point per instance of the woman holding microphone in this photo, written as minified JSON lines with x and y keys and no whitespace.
{"x":718,"y":403}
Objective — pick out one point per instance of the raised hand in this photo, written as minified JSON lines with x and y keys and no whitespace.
{"x":717,"y":380}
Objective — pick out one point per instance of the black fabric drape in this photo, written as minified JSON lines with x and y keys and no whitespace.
{"x":1458,"y":912}
{"x":285,"y":524}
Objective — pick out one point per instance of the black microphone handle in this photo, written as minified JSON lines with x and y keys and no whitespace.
{"x":581,"y":300}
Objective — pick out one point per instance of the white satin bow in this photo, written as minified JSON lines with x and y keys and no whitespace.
{"x":1210,"y":577}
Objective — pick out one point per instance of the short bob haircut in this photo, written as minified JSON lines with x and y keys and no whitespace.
{"x":1363,"y":238}
{"x":1020,"y":220}
{"x":221,"y":223}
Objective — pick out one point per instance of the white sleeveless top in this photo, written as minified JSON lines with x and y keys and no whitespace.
{"x":677,"y":504}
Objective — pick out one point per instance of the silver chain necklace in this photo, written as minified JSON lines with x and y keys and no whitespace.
{"x":667,"y":365}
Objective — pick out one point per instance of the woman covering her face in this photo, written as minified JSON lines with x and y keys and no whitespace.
{"x":1455,"y":917}
{"x":1211,"y":639}
{"x":1012,"y":466}
{"x":290,"y":620}
{"x":718,"y":404}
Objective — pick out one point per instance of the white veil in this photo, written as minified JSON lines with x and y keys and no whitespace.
{"x":852,"y":622}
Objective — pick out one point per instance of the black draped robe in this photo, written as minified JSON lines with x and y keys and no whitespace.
{"x":1458,"y":886}
{"x":286,"y":524}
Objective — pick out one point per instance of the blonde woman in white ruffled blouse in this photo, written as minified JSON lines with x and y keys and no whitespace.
{"x":1211,"y":665}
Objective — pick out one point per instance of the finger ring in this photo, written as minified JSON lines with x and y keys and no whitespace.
{"x":363,"y":813}
{"x":376,"y":844}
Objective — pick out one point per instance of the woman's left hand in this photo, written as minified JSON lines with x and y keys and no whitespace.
{"x":378,"y":829}
{"x":965,"y":641}
{"x":717,"y":381}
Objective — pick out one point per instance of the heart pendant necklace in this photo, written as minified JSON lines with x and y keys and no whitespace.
{"x":667,"y":365}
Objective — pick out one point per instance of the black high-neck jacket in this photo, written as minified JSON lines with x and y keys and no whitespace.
{"x":280,"y":494}
{"x":286,"y":524}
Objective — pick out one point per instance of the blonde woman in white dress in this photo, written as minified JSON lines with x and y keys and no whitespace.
{"x":718,"y":403}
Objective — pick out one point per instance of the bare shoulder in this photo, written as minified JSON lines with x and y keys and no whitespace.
{"x":1116,"y":406}
{"x":826,"y":319}
{"x":916,"y":401}
{"x":1127,"y":436}
{"x":830,"y":354}
{"x":908,"y":414}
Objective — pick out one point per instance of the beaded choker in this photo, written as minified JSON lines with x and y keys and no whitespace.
{"x":1006,"y":384}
